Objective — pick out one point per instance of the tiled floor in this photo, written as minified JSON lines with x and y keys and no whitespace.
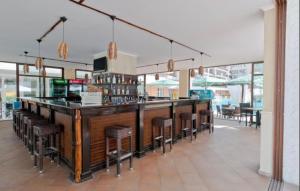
{"x":225,"y":161}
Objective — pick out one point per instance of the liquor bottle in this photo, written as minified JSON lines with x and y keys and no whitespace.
{"x":114,"y":79}
{"x":108,"y":79}
{"x":123,"y":79}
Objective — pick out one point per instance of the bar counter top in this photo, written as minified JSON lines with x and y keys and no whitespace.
{"x":79,"y":105}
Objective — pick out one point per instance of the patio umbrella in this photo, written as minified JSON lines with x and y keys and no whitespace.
{"x":208,"y":81}
{"x":246,"y":79}
{"x":164,"y":83}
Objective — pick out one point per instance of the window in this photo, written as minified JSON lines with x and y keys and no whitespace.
{"x":233,"y":84}
{"x":7,"y":89}
{"x":80,"y":74}
{"x":166,"y":86}
{"x":141,"y":86}
{"x":32,"y":84}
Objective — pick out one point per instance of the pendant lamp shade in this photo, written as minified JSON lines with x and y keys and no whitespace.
{"x":39,"y":63}
{"x":39,"y":60}
{"x":193,"y":73}
{"x":112,"y":50}
{"x":201,"y":70}
{"x":63,"y":48}
{"x":25,"y":66}
{"x":171,"y":64}
{"x":157,"y":75}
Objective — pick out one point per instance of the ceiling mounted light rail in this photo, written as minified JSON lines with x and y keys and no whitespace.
{"x":61,"y":20}
{"x":175,"y":61}
{"x":137,"y":26}
{"x":59,"y":60}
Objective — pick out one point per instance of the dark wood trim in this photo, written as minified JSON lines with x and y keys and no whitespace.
{"x":279,"y":89}
{"x":140,"y":152}
{"x":86,"y":149}
{"x":17,"y":80}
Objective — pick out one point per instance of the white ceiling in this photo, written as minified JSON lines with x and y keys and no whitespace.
{"x":231,"y":31}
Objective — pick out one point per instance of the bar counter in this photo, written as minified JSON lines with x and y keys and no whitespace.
{"x":83,"y":137}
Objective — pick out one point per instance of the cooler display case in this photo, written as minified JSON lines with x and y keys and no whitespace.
{"x":58,"y":87}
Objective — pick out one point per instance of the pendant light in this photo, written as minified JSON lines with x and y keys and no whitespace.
{"x":39,"y":61}
{"x":156,"y":75}
{"x":171,"y":61}
{"x":63,"y":49}
{"x":193,"y":73}
{"x":201,"y":68}
{"x":86,"y":76}
{"x":112,"y":50}
{"x":25,"y":66}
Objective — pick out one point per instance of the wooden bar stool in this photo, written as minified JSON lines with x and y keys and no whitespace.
{"x":118,"y":133}
{"x":188,"y":117}
{"x":30,"y":122}
{"x":15,"y":113}
{"x":41,"y":133}
{"x":203,"y":123}
{"x":21,"y":123}
{"x":163,"y":124}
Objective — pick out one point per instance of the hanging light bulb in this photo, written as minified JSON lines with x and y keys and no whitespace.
{"x":112,"y":50}
{"x":39,"y":61}
{"x":171,"y":61}
{"x":157,"y":75}
{"x":201,"y":68}
{"x":26,"y":66}
{"x":63,"y":49}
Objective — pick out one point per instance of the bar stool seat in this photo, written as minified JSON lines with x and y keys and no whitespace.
{"x":205,"y":124}
{"x":118,"y":133}
{"x":163,"y":123}
{"x":188,"y":117}
{"x":41,"y":133}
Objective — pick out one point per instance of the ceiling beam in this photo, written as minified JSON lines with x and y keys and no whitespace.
{"x":113,"y":17}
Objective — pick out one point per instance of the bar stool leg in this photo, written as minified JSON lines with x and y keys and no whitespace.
{"x":171,"y":133}
{"x":58,"y":148}
{"x":153,"y":138}
{"x":162,"y":133}
{"x":119,"y":147}
{"x":131,"y":157}
{"x":34,"y":149}
{"x":191,"y":130}
{"x":41,"y":154}
{"x":107,"y":153}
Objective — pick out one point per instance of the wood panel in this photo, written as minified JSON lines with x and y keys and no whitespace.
{"x":66,"y":136}
{"x":179,"y":110}
{"x":148,"y":116}
{"x":97,"y":126}
{"x":199,"y":107}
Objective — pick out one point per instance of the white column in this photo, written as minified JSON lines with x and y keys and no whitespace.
{"x":291,"y":96}
{"x":183,"y":83}
{"x":266,"y":141}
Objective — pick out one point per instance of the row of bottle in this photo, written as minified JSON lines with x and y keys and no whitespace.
{"x":114,"y":79}
{"x":117,"y":91}
{"x":118,"y":100}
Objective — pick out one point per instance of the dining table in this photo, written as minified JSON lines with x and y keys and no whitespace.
{"x":250,"y":111}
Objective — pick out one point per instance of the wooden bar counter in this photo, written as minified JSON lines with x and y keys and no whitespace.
{"x":83,"y":137}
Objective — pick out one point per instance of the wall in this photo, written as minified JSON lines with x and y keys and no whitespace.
{"x":125,"y":63}
{"x":266,"y":141}
{"x":291,"y":96}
